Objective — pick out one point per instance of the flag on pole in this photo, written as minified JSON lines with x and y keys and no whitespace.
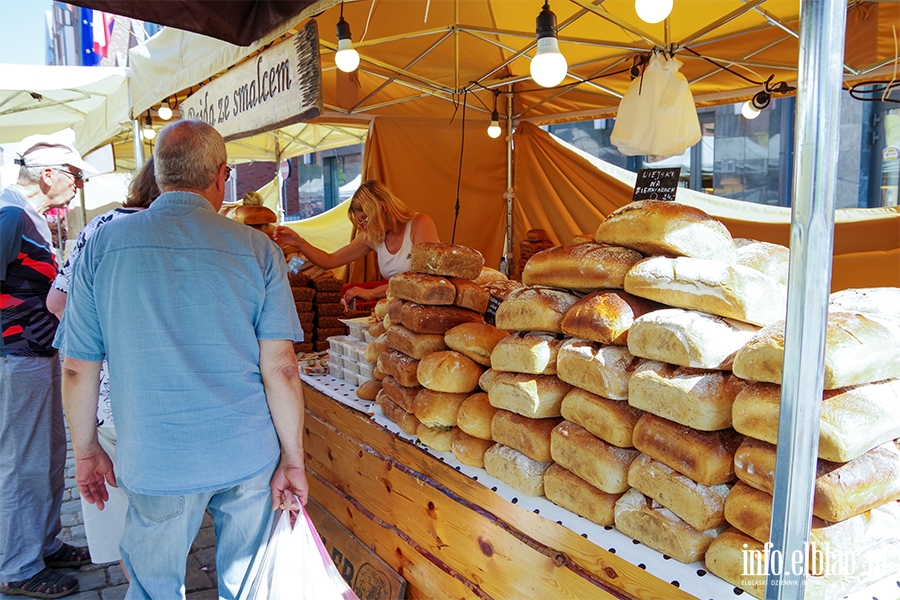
{"x":102,"y":26}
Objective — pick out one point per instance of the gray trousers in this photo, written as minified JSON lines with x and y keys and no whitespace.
{"x":32,"y":463}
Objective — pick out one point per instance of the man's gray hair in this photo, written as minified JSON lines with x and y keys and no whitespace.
{"x":29,"y":175}
{"x":187,"y":156}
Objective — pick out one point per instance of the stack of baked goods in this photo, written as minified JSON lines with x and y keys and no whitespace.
{"x":856,"y":521}
{"x":303,"y":302}
{"x":328,"y":309}
{"x":536,"y":240}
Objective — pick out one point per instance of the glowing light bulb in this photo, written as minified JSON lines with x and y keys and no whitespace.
{"x":494,"y":128}
{"x":749,"y":111}
{"x":549,"y":66}
{"x":653,"y":11}
{"x":346,"y":59}
{"x":164,"y":112}
{"x":148,"y":133}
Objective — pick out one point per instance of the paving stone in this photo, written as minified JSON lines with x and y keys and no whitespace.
{"x":70,"y":519}
{"x":114,"y":593}
{"x":91,"y":580}
{"x":115,"y":575}
{"x":79,"y":595}
{"x":206,"y":538}
{"x":195,"y":578}
{"x":206,"y":557}
{"x":211,"y":594}
{"x":72,"y":506}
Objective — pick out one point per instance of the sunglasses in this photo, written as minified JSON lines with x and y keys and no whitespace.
{"x":75,"y":176}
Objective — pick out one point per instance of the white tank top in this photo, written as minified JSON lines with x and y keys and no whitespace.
{"x":391,"y":264}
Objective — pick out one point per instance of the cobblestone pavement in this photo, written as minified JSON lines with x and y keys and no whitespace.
{"x":107,"y":581}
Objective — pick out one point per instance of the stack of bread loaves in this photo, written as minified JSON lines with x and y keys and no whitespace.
{"x":535,"y":241}
{"x":855,"y":533}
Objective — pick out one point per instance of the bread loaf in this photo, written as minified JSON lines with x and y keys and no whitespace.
{"x":534,"y":309}
{"x":375,"y":348}
{"x":859,"y":348}
{"x":470,"y":295}
{"x":606,"y":316}
{"x":700,"y":506}
{"x":436,"y":439}
{"x":531,"y":437}
{"x":698,"y":398}
{"x":475,"y":416}
{"x":402,"y":396}
{"x":369,"y":390}
{"x":434,"y":319}
{"x":535,"y":396}
{"x":449,"y":371}
{"x":395,"y":312}
{"x":765,"y":257}
{"x":880,"y":301}
{"x":583,"y":238}
{"x":488,"y":275}
{"x":707,"y":457}
{"x":502,"y":288}
{"x":423,"y":289}
{"x":416,"y":345}
{"x":448,"y":260}
{"x":667,"y":228}
{"x":711,"y":286}
{"x":378,"y":329}
{"x":526,"y":353}
{"x":580,"y":267}
{"x":467,"y":449}
{"x":381,"y":308}
{"x":688,"y":338}
{"x":612,"y":421}
{"x":399,"y":366}
{"x":641,"y":519}
{"x":437,"y":410}
{"x":475,"y":340}
{"x":406,"y":421}
{"x":602,"y":465}
{"x":853,"y":420}
{"x":515,"y":469}
{"x":565,"y":489}
{"x":602,"y":370}
{"x":487,"y":379}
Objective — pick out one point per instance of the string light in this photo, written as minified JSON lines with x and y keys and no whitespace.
{"x":494,"y":128}
{"x":148,"y":132}
{"x":549,"y":66}
{"x":346,"y":58}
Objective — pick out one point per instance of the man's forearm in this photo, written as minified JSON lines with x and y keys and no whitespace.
{"x":80,"y":390}
{"x":284,"y":396}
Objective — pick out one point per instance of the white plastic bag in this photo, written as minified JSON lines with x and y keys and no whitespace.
{"x":657,"y":115}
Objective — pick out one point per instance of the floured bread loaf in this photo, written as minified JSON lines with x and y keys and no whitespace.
{"x":859,"y":348}
{"x":475,"y":340}
{"x":707,"y":457}
{"x":606,"y":316}
{"x":853,"y":420}
{"x":406,"y":421}
{"x":502,"y":288}
{"x":652,"y":524}
{"x":612,"y":421}
{"x":529,"y":436}
{"x":420,"y":318}
{"x":534,"y":309}
{"x":698,"y":398}
{"x":580,"y":267}
{"x":602,"y":370}
{"x":711,"y":286}
{"x":515,"y":469}
{"x":436,"y":439}
{"x":526,"y":353}
{"x":475,"y":416}
{"x":399,"y":366}
{"x":667,"y":228}
{"x":470,"y":295}
{"x":467,"y":449}
{"x":449,"y":371}
{"x":880,"y":301}
{"x":688,"y":338}
{"x":420,"y":288}
{"x":488,"y":275}
{"x":568,"y":490}
{"x":417,"y":345}
{"x":765,"y":257}
{"x":437,"y":410}
{"x":700,"y":506}
{"x":402,"y":396}
{"x":535,"y":396}
{"x":602,"y":465}
{"x":448,"y":260}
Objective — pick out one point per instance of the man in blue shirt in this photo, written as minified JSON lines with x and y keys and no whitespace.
{"x":195,"y":316}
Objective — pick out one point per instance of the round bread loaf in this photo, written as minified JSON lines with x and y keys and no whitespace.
{"x":475,"y":415}
{"x":606,"y":316}
{"x":475,"y":340}
{"x":449,"y":371}
{"x":488,"y":275}
{"x":580,"y":267}
{"x":765,"y":257}
{"x":526,"y":353}
{"x":436,"y":439}
{"x":437,"y":410}
{"x":447,"y":260}
{"x":381,"y":307}
{"x":656,"y":227}
{"x":534,"y":309}
{"x":467,"y":449}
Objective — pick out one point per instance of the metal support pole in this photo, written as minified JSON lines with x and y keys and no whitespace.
{"x":281,"y":211}
{"x":509,"y":254}
{"x":812,"y":221}
{"x":138,"y":141}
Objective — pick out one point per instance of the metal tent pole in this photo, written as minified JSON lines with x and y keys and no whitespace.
{"x":822,"y":25}
{"x":509,"y":254}
{"x":137,"y":141}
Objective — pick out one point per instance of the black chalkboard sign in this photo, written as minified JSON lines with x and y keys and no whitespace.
{"x":656,"y":184}
{"x":491,"y":313}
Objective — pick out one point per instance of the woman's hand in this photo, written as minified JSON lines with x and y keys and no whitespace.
{"x":357,"y":292}
{"x":285,"y":236}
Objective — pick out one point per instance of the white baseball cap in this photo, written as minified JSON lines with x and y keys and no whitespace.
{"x":45,"y":151}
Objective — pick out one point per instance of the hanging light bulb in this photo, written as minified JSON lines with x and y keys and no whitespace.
{"x":749,"y":111}
{"x":494,"y":128}
{"x":752,"y":107}
{"x":549,"y":66}
{"x":347,"y":59}
{"x":148,"y":132}
{"x":653,"y":11}
{"x":164,"y":112}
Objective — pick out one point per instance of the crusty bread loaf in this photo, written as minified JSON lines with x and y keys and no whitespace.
{"x":502,"y":288}
{"x":602,"y":370}
{"x":526,"y":352}
{"x":437,"y":410}
{"x":487,"y":379}
{"x":448,"y":260}
{"x":406,"y":421}
{"x":580,"y":267}
{"x":369,"y":390}
{"x":449,"y":371}
{"x":606,"y":316}
{"x":421,"y":318}
{"x":880,"y":301}
{"x":475,"y":340}
{"x":488,"y":275}
{"x":688,"y":338}
{"x":765,"y":257}
{"x":612,"y":421}
{"x":399,"y":366}
{"x":667,"y":228}
{"x":436,"y":439}
{"x":707,"y":457}
{"x":534,"y":309}
{"x":378,"y":373}
{"x":638,"y":517}
{"x":535,"y":396}
{"x":375,"y":348}
{"x":853,"y":420}
{"x":712,"y":286}
{"x":424,"y":289}
{"x":381,"y":308}
{"x":475,"y":416}
{"x":416,"y":345}
{"x":529,"y":436}
{"x":470,"y":295}
{"x":750,"y":510}
{"x":515,"y":469}
{"x":859,"y":348}
{"x":402,"y":396}
{"x":395,"y":312}
{"x":467,"y":449}
{"x":377,"y":329}
{"x":568,"y":490}
{"x":602,"y":465}
{"x":700,"y":506}
{"x":698,"y":398}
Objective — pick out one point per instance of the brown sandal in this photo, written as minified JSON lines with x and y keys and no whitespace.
{"x":46,"y":584}
{"x":68,"y":556}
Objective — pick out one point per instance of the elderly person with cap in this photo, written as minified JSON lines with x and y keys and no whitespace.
{"x":32,"y":433}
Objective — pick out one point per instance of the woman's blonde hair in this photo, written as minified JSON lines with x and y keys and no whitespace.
{"x":369,"y":199}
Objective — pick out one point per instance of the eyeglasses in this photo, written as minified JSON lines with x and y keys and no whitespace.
{"x":227,"y":172}
{"x":75,"y":176}
{"x":361,"y":220}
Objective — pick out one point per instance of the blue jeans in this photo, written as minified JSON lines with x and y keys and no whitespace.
{"x":159,"y":531}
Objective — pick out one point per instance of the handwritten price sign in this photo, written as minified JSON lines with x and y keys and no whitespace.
{"x":656,"y":184}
